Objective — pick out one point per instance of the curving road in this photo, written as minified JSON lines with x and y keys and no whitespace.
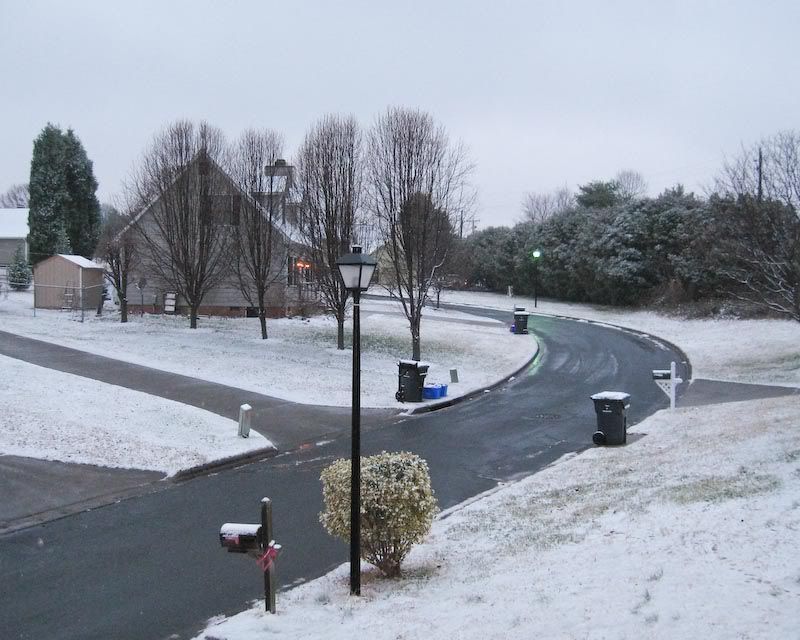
{"x":150,"y":566}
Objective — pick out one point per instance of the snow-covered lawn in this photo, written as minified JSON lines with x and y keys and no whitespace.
{"x":299,"y":361}
{"x":58,"y":416}
{"x":758,"y":351}
{"x":690,"y":532}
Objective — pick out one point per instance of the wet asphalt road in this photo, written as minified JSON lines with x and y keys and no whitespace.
{"x":151,"y":567}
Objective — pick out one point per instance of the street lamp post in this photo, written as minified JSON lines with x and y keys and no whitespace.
{"x":535,"y":255}
{"x":356,"y":270}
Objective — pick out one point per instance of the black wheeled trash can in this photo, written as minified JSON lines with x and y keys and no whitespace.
{"x":521,"y":322}
{"x":612,"y":421}
{"x":411,"y":380}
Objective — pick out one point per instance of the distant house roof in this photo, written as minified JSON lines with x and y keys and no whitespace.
{"x":13,"y":223}
{"x":279,"y":184}
{"x":80,"y":261}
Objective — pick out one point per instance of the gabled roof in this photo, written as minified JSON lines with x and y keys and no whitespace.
{"x":289,"y":231}
{"x":85,"y":263}
{"x":13,"y":223}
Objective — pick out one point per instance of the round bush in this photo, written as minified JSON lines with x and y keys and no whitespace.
{"x":397,"y":506}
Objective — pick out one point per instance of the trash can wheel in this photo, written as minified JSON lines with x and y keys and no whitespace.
{"x":598,"y":437}
{"x":399,"y":396}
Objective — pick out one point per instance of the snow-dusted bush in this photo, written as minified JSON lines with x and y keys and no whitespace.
{"x":397,"y":506}
{"x":19,"y":271}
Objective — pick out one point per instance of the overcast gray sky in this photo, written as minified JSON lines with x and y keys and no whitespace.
{"x":542,"y":93}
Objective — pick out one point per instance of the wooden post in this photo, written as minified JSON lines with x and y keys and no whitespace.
{"x":269,"y":574}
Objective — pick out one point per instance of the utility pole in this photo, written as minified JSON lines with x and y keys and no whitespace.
{"x":760,"y":173}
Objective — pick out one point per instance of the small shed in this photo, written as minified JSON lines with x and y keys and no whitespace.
{"x":67,"y":282}
{"x":13,"y":234}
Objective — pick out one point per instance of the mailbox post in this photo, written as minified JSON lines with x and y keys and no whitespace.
{"x":668,"y":382}
{"x":255,"y":540}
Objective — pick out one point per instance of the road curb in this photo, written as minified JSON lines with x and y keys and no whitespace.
{"x":224,"y":463}
{"x":478,"y":392}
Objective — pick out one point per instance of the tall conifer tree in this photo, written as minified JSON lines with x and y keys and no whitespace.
{"x":49,"y":194}
{"x":64,"y":211}
{"x":82,"y":215}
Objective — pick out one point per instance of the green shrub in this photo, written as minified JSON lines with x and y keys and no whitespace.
{"x":397,"y":506}
{"x":19,"y":271}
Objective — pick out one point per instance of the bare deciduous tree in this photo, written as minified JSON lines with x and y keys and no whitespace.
{"x":417,"y":186}
{"x":329,"y":170}
{"x":631,"y":185}
{"x":260,"y":246}
{"x":183,"y":226}
{"x":17,"y":197}
{"x":775,"y":176}
{"x":118,"y":251}
{"x":759,"y":251}
{"x":538,"y":207}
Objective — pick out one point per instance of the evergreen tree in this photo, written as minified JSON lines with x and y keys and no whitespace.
{"x":64,"y":211}
{"x":598,"y":194}
{"x":19,"y":271}
{"x":82,"y":215}
{"x":48,"y":193}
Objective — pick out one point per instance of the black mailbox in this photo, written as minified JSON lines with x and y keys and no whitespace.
{"x":662,"y":374}
{"x":237,"y":537}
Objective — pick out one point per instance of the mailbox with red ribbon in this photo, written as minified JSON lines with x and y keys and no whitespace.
{"x":252,"y":539}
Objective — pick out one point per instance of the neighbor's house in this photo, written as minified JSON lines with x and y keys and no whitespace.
{"x":13,"y":234}
{"x":292,"y":290}
{"x":384,"y":271}
{"x":67,"y":282}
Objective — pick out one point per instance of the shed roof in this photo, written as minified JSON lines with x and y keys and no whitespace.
{"x":80,"y":261}
{"x":13,"y":223}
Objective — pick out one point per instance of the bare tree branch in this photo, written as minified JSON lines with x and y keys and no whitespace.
{"x":538,"y":207}
{"x":418,"y":185}
{"x":260,"y":248}
{"x":119,"y":252}
{"x":330,"y":171}
{"x":185,"y":238}
{"x":16,"y":197}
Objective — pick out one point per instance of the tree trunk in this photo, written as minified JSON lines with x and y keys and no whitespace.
{"x":340,"y":331}
{"x":415,"y":347}
{"x":262,"y":318}
{"x":193,"y":316}
{"x":123,"y":310}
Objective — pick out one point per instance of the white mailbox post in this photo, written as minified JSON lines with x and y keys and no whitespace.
{"x":245,"y":412}
{"x":668,"y":382}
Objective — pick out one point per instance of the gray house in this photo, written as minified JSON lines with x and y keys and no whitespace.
{"x":13,"y":234}
{"x":292,"y":289}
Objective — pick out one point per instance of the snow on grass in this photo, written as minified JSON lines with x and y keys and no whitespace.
{"x":299,"y":361}
{"x":58,"y":416}
{"x":688,"y":532}
{"x":756,"y":351}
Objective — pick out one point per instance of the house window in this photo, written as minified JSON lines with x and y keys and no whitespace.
{"x":298,"y":271}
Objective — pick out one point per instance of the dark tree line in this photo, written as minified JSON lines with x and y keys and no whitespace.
{"x":609,"y":245}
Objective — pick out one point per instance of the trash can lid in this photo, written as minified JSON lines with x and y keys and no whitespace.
{"x":612,"y":395}
{"x":414,"y":363}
